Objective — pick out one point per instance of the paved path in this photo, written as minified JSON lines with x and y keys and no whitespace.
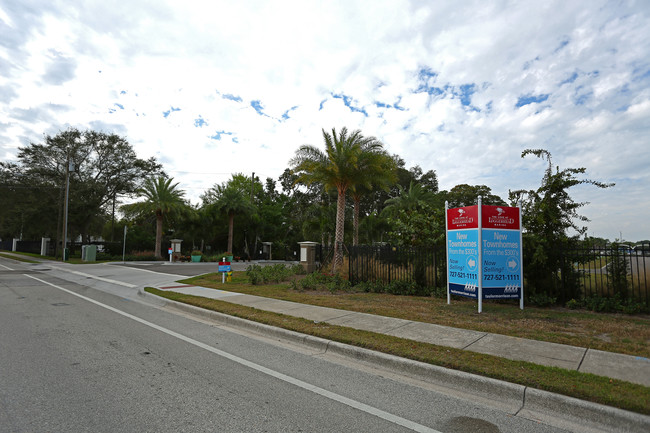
{"x":635,"y":369}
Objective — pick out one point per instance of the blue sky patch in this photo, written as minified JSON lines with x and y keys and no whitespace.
{"x":531,"y":99}
{"x":257,"y":105}
{"x":123,"y":92}
{"x":563,"y":44}
{"x":200,"y":122}
{"x":231,"y":97}
{"x":285,"y":116}
{"x":466,"y":92}
{"x":217,"y":135}
{"x":168,"y":112}
{"x":347,"y":100}
{"x":571,"y":79}
{"x":120,"y":106}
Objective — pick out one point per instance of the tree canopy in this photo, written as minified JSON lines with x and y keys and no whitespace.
{"x":105,"y":166}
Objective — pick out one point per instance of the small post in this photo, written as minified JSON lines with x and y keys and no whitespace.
{"x":124,"y":247}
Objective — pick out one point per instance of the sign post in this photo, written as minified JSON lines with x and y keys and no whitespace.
{"x":484,"y":253}
{"x":224,"y":268}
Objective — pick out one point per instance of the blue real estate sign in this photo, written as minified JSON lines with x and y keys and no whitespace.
{"x":463,"y":251}
{"x":484,"y":259}
{"x":501,"y":252}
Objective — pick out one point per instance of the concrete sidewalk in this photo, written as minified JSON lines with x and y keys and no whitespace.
{"x":633,"y":369}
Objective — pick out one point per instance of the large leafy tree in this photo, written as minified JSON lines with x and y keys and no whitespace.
{"x":162,"y":199}
{"x":551,"y":224}
{"x":335,"y":168}
{"x":467,"y":195}
{"x":105,"y":167}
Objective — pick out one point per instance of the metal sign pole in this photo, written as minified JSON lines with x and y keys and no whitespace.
{"x":480,"y":255}
{"x":521,"y":259}
{"x":447,"y":250}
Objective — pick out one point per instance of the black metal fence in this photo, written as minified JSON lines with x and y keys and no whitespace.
{"x":610,"y":271}
{"x":605,"y":272}
{"x":386,"y":263}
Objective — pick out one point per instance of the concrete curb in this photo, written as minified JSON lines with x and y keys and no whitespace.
{"x":530,"y":403}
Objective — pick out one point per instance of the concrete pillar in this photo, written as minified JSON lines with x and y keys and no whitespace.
{"x":45,"y":245}
{"x":14,"y":246}
{"x":176,"y":249}
{"x":308,"y":255}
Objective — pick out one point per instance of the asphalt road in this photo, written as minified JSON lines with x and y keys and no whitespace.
{"x":81,"y":354}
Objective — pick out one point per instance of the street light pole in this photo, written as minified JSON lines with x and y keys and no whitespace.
{"x":69,"y":168}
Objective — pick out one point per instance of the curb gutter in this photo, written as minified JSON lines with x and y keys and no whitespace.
{"x":549,"y":408}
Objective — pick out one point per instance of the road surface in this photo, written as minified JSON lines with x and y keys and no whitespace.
{"x":80,"y":351}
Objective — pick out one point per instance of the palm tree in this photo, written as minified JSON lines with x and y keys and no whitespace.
{"x":408,"y":200}
{"x":232,"y":201}
{"x":375,"y":169}
{"x":161,"y":198}
{"x":336,"y":168}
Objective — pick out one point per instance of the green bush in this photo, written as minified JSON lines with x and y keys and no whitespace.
{"x":269,"y":274}
{"x":541,"y":300}
{"x":398,"y":287}
{"x":319,"y":281}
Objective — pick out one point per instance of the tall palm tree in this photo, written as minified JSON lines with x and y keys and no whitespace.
{"x":161,"y":198}
{"x":232,"y":201}
{"x":336,"y":168}
{"x":375,"y":169}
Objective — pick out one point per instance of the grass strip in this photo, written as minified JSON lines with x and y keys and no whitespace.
{"x":584,"y":386}
{"x":16,"y":258}
{"x":608,"y":332}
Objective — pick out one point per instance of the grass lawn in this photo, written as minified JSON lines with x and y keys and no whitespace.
{"x":610,"y":332}
{"x":617,"y":333}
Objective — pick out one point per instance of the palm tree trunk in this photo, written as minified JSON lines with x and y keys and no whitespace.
{"x":357,"y":206}
{"x":159,"y":225}
{"x":340,"y":227}
{"x":231,"y":224}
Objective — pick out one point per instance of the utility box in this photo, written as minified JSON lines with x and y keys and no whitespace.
{"x":308,"y":256}
{"x":89,"y":253}
{"x":176,"y":249}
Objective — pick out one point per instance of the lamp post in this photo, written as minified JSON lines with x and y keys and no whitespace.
{"x":69,"y":168}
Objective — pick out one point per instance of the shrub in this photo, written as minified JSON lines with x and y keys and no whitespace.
{"x":269,"y":274}
{"x":541,"y":300}
{"x":319,"y":281}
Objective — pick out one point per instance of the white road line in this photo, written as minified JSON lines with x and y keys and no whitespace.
{"x":296,"y":382}
{"x":153,"y":272}
{"x":107,"y":280}
{"x":7,"y":268}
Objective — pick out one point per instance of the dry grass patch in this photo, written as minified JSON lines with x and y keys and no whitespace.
{"x":608,"y":332}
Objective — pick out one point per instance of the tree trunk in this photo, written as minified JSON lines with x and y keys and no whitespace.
{"x":231,"y":224}
{"x":340,"y":227}
{"x":159,"y":226}
{"x":357,"y":206}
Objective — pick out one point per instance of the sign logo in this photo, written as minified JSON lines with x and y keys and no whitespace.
{"x":500,"y":217}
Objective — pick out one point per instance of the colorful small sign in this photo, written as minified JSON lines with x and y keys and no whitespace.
{"x":224,"y":267}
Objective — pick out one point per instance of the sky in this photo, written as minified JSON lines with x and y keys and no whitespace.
{"x":212,"y":88}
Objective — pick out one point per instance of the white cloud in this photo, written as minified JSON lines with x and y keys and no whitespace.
{"x":569,"y":77}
